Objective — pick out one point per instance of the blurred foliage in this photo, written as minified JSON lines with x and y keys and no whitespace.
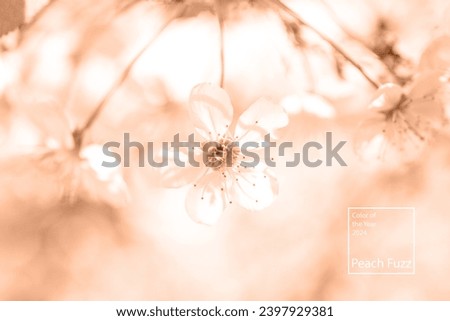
{"x":109,"y":67}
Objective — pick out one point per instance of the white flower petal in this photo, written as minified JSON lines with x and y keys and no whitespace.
{"x":387,"y":97}
{"x":253,"y":189}
{"x":370,"y":137}
{"x":371,"y":126}
{"x":406,"y":138}
{"x":437,"y":55}
{"x":206,"y":200}
{"x":428,"y":100}
{"x":261,"y":118}
{"x":175,"y":176}
{"x":372,"y":149}
{"x":426,"y":85}
{"x":210,"y":110}
{"x":393,"y":141}
{"x":430,"y":112}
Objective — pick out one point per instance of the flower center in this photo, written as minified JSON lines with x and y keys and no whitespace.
{"x":401,"y":105}
{"x":220,"y":154}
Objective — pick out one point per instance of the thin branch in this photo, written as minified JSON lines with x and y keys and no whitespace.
{"x":125,"y":73}
{"x":344,"y":28}
{"x":220,"y":17}
{"x":354,"y":37}
{"x":280,"y":5}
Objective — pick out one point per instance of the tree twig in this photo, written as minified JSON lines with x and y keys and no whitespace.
{"x":281,"y":6}
{"x":358,"y":39}
{"x":220,"y":17}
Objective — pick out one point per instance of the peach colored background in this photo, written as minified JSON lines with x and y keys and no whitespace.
{"x":150,"y":249}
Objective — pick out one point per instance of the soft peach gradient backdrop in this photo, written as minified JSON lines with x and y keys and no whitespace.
{"x":149,"y":249}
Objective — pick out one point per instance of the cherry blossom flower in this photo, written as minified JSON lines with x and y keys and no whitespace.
{"x":81,"y":174}
{"x":56,"y":152}
{"x":436,"y":57}
{"x":403,"y":120}
{"x":217,"y":182}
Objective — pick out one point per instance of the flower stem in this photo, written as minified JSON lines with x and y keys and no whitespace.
{"x":281,"y":6}
{"x":220,"y":18}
